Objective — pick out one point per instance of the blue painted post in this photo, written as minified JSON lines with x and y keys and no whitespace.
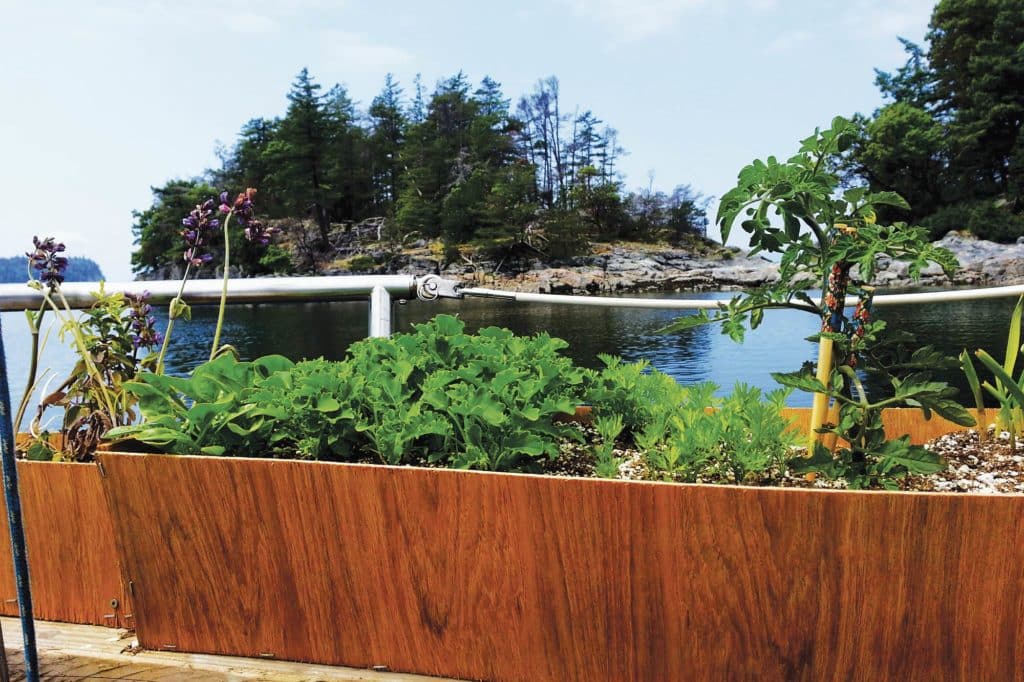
{"x":10,"y":472}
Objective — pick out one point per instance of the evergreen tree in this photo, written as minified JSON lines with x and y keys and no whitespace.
{"x":388,"y":124}
{"x":250,"y":165}
{"x":298,"y":154}
{"x":460,"y":166}
{"x":347,"y":169}
{"x":977,"y":58}
{"x":952,"y":141}
{"x":157,"y":230}
{"x":904,"y":150}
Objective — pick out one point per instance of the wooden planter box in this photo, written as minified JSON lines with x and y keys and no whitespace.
{"x":898,"y":421}
{"x":511,"y":577}
{"x":73,"y":562}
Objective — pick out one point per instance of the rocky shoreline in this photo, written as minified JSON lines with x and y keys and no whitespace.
{"x":636,"y":268}
{"x":702,"y":265}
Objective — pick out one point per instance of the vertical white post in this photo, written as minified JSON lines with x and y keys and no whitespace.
{"x":380,"y":312}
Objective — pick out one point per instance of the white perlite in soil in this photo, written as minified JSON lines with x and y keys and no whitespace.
{"x":992,"y":466}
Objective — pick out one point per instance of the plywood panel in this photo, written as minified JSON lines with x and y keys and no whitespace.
{"x":506,"y":577}
{"x":73,"y":562}
{"x":898,"y":421}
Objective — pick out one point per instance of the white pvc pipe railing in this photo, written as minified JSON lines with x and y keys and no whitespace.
{"x":380,"y":312}
{"x":208,"y":291}
{"x":713,"y":304}
{"x":380,"y":290}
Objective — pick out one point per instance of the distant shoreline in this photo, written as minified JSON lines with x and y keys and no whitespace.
{"x":637,"y":268}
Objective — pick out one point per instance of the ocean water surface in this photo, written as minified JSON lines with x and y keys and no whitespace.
{"x":309,"y":330}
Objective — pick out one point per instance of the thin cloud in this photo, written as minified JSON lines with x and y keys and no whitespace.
{"x":239,"y":16}
{"x":790,"y":40}
{"x":873,"y":20}
{"x":345,"y":49}
{"x":632,"y":20}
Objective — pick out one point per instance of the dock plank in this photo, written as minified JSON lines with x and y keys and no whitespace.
{"x":69,"y":653}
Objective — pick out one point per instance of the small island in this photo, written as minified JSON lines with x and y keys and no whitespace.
{"x":14,"y":270}
{"x":527,"y":194}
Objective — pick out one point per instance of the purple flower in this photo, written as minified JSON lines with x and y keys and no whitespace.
{"x":47,"y":260}
{"x":144,"y":333}
{"x":197,"y":226}
{"x":243,"y":209}
{"x":255,"y":231}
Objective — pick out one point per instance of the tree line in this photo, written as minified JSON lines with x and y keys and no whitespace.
{"x":950,"y":137}
{"x":461,"y":164}
{"x":15,"y":269}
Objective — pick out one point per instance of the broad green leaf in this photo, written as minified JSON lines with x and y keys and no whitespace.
{"x":801,"y":381}
{"x":887,"y":199}
{"x":914,"y":458}
{"x":688,"y":322}
{"x":327,"y":404}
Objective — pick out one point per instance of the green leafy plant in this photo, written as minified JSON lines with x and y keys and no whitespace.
{"x":798,"y":209}
{"x":741,"y":438}
{"x":1005,"y":388}
{"x":207,"y":412}
{"x":107,"y":332}
{"x":686,"y":433}
{"x":437,"y":395}
{"x":795,"y":208}
{"x":108,"y":338}
{"x":608,"y":429}
{"x":975,"y":386}
{"x":869,"y":459}
{"x":497,"y":392}
{"x":633,"y":390}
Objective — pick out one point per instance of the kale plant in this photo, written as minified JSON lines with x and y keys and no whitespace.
{"x":438,"y":394}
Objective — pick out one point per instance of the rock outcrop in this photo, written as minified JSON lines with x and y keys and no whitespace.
{"x":635,"y":270}
{"x":982,"y":263}
{"x":703,"y":266}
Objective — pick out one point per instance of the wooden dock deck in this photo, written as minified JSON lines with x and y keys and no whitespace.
{"x":85,"y":652}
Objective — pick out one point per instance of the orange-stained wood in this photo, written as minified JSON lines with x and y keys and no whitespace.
{"x":508,"y":578}
{"x":898,"y":421}
{"x":73,"y":564}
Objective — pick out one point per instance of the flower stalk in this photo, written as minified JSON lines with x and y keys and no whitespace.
{"x":224,"y":288}
{"x":242,"y":209}
{"x":35,"y":321}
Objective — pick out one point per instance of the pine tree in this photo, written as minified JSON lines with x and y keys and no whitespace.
{"x":388,"y":124}
{"x":299,"y":151}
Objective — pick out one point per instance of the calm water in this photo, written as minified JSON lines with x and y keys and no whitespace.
{"x":326,"y":329}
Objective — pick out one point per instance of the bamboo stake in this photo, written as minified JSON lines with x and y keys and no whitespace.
{"x":820,"y":405}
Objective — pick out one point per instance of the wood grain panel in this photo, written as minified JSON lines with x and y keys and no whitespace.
{"x":73,"y":563}
{"x":898,"y":421}
{"x":510,"y":577}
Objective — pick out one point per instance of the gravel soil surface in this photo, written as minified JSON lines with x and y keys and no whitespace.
{"x":991,"y":466}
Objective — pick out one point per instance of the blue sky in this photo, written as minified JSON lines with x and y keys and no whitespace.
{"x":106,"y":98}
